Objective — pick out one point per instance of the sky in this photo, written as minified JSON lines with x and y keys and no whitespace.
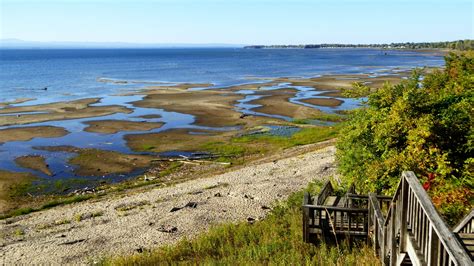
{"x":237,"y":22}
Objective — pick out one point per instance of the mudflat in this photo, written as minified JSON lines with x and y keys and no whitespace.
{"x":34,"y":162}
{"x":175,"y":140}
{"x":211,"y":108}
{"x":114,"y":126}
{"x":278,"y":104}
{"x":329,"y":102}
{"x":16,"y":101}
{"x":336,"y":82}
{"x":28,"y":133}
{"x":57,"y":111}
{"x":95,"y":162}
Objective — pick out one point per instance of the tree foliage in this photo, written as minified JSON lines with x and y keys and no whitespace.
{"x":424,"y":124}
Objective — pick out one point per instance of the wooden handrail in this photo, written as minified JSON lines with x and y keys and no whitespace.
{"x":376,"y":222}
{"x":412,"y":228}
{"x":374,"y":204}
{"x":466,"y":224}
{"x":324,"y":193}
{"x":334,"y":208}
{"x":449,"y":241}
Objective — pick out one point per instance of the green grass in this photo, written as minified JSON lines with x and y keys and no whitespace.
{"x":19,"y":232}
{"x":172,"y":168}
{"x":274,"y":240}
{"x":303,"y":137}
{"x":47,"y":205}
{"x":322,"y":117}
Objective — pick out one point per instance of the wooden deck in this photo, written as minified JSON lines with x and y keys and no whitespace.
{"x":404,"y":229}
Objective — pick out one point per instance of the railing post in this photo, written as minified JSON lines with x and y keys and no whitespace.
{"x":393,"y":235}
{"x":306,"y":199}
{"x":433,"y":247}
{"x":403,"y":215}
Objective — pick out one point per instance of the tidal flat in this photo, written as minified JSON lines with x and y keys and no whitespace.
{"x":122,"y":137}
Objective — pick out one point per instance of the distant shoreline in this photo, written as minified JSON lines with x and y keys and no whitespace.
{"x":460,"y":44}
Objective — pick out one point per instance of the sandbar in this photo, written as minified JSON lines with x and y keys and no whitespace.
{"x":328,"y":102}
{"x":34,"y":162}
{"x":278,"y":104}
{"x":28,"y":133}
{"x":211,"y":108}
{"x":174,"y":140}
{"x":94,"y":162}
{"x":57,"y":111}
{"x":114,"y":126}
{"x":16,"y":101}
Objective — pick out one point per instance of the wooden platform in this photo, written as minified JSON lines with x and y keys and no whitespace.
{"x":404,"y":229}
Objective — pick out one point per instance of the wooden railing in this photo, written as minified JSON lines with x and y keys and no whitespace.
{"x":413,"y":228}
{"x":466,"y":225}
{"x":324,"y":193}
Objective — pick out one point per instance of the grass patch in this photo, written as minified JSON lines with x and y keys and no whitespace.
{"x":130,"y":206}
{"x":47,"y":205}
{"x":322,"y":117}
{"x":172,"y":168}
{"x":275,"y":240}
{"x":84,"y":216}
{"x":217,"y":185}
{"x":303,"y":137}
{"x":19,"y":232}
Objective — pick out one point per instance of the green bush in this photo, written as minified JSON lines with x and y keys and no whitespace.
{"x":424,"y":125}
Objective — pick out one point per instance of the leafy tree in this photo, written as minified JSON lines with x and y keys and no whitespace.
{"x":424,"y":124}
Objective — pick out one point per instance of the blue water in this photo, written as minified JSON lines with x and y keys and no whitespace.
{"x":75,"y":73}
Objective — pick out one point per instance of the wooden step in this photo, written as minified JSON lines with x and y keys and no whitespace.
{"x":331,"y":201}
{"x":468,"y":242}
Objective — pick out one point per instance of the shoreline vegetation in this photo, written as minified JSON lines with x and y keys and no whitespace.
{"x":451,"y":45}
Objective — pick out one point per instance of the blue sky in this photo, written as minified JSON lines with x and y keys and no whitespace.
{"x":236,"y":22}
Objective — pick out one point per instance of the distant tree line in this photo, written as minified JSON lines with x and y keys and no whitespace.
{"x":455,"y":45}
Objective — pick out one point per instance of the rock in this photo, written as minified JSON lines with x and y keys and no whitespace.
{"x":218,"y":194}
{"x":265,"y":207}
{"x":168,"y":229}
{"x":191,"y":204}
{"x":73,"y":242}
{"x":174,"y":209}
{"x":251,"y":220}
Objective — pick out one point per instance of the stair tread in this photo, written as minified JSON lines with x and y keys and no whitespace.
{"x":331,"y":200}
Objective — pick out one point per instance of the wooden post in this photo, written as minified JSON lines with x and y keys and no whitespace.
{"x":433,"y":247}
{"x":306,"y":200}
{"x":403,"y":216}
{"x":393,"y":235}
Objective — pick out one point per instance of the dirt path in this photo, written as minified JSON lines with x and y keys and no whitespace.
{"x":82,"y":232}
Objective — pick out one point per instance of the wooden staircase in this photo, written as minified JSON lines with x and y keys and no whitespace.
{"x":465,"y":233}
{"x":404,"y":229}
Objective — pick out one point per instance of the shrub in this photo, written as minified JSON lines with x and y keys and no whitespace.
{"x":423,"y":124}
